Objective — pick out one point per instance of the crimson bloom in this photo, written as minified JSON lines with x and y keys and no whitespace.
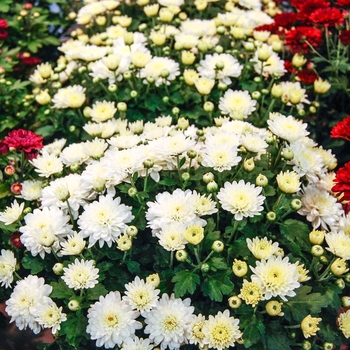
{"x":3,"y":34}
{"x":344,"y":37}
{"x":4,"y":148}
{"x":15,"y":239}
{"x":342,"y":183}
{"x":341,"y":130}
{"x":296,"y":39}
{"x":343,"y":3}
{"x":327,"y":17}
{"x":24,"y":140}
{"x":3,"y":23}
{"x":308,"y":7}
{"x":307,"y":76}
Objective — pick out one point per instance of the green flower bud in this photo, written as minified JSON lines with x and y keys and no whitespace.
{"x":181,"y":255}
{"x":271,"y":216}
{"x":345,"y":301}
{"x":185,"y":176}
{"x":133,"y":94}
{"x":261,"y":180}
{"x":208,"y":177}
{"x":306,"y":345}
{"x":132,"y":231}
{"x":296,"y":204}
{"x":208,"y":106}
{"x":317,"y":250}
{"x":132,"y":192}
{"x":122,"y":106}
{"x":58,"y":269}
{"x":340,"y":283}
{"x":212,"y":186}
{"x":205,"y":267}
{"x":217,"y":246}
{"x":176,"y":110}
{"x":112,"y":88}
{"x":249,"y":165}
{"x":287,"y":154}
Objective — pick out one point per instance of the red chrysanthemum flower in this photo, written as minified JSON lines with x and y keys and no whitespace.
{"x":344,"y":37}
{"x":342,"y":183}
{"x":4,"y":148}
{"x":308,"y":7}
{"x":3,"y":23}
{"x":290,"y":68}
{"x":328,"y":17}
{"x":3,"y":34}
{"x":341,"y":130}
{"x":307,"y":76}
{"x":15,"y":239}
{"x":343,"y":3}
{"x":31,"y":61}
{"x":296,"y":39}
{"x":286,"y":19}
{"x":24,"y":140}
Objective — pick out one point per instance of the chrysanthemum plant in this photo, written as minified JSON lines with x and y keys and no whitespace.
{"x":171,"y":231}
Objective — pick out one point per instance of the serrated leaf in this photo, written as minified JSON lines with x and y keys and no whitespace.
{"x":216,"y":286}
{"x":167,"y":182}
{"x":96,"y":292}
{"x":34,"y":265}
{"x":253,"y":332}
{"x":61,"y":291}
{"x":185,"y":282}
{"x":74,"y":328}
{"x":133,"y":267}
{"x":218,"y":263}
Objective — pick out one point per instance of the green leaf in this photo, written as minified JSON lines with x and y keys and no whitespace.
{"x":74,"y":327}
{"x":19,"y":85}
{"x":253,"y":332}
{"x":133,"y":267}
{"x":216,"y":286}
{"x":51,"y":40}
{"x":4,"y":7}
{"x":168,"y":182}
{"x":185,"y":282}
{"x":218,"y":263}
{"x":96,"y":292}
{"x":35,"y":265}
{"x":5,"y":190}
{"x":277,"y":338}
{"x":61,"y":291}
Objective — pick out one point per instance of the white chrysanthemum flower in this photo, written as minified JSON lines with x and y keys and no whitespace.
{"x":31,"y":190}
{"x":167,"y":323}
{"x":12,"y":214}
{"x":220,"y":66}
{"x":47,"y":164}
{"x":162,"y":69}
{"x":169,"y":208}
{"x":287,"y":128}
{"x":7,"y":267}
{"x":261,"y":248}
{"x":220,"y":157}
{"x":81,"y":274}
{"x":344,"y":323}
{"x":203,"y":204}
{"x":187,"y":40}
{"x":306,"y":162}
{"x":88,"y":53}
{"x":101,"y":71}
{"x":140,"y":295}
{"x":69,"y":97}
{"x":344,"y":224}
{"x":111,"y":321}
{"x":253,"y":143}
{"x":195,"y":330}
{"x":137,"y":344}
{"x":55,"y":147}
{"x":66,"y":193}
{"x":95,"y":148}
{"x":273,"y":65}
{"x":320,"y":207}
{"x":241,"y":199}
{"x":338,"y":244}
{"x":199,"y":27}
{"x":73,"y":154}
{"x":221,"y":331}
{"x":294,"y":94}
{"x":49,"y":315}
{"x":171,"y":236}
{"x":288,"y":181}
{"x":277,"y":277}
{"x":74,"y":245}
{"x":102,"y":111}
{"x":103,"y":221}
{"x":27,"y":294}
{"x":328,"y":159}
{"x":237,"y":104}
{"x":44,"y":229}
{"x":124,"y":141}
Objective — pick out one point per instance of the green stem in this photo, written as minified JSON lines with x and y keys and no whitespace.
{"x":234,"y":231}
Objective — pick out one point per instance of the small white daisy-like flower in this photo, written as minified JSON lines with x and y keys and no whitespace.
{"x":69,"y":97}
{"x":237,"y":104}
{"x":221,"y":331}
{"x":74,"y":245}
{"x":74,"y":154}
{"x":171,"y":236}
{"x":241,"y":199}
{"x":55,"y":147}
{"x":203,"y":204}
{"x":162,"y":69}
{"x":49,"y":315}
{"x":277,"y":277}
{"x":261,"y":248}
{"x":288,"y":181}
{"x":12,"y":214}
{"x":220,"y":157}
{"x":102,"y":111}
{"x":195,"y":330}
{"x":287,"y":128}
{"x":31,"y":190}
{"x":137,"y":344}
{"x":81,"y":274}
{"x":95,"y":148}
{"x":220,"y":66}
{"x":44,"y":229}
{"x":7,"y":267}
{"x":103,"y":221}
{"x":274,"y":64}
{"x":253,"y":143}
{"x":320,"y":207}
{"x":140,"y":295}
{"x":27,"y":294}
{"x":111,"y":321}
{"x":167,"y":323}
{"x":338,"y":244}
{"x":47,"y":164}
{"x":199,"y":27}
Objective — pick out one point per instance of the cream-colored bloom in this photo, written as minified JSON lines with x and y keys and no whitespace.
{"x":7,"y":267}
{"x":69,"y":97}
{"x":172,"y":236}
{"x":309,"y":325}
{"x":204,"y":85}
{"x":261,"y":248}
{"x":102,"y":111}
{"x":251,"y":293}
{"x":288,"y":181}
{"x":195,"y":330}
{"x":194,"y":234}
{"x":124,"y":242}
{"x":74,"y":245}
{"x":338,"y":244}
{"x":12,"y":214}
{"x":344,"y":323}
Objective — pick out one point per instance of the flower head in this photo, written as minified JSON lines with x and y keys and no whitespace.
{"x":7,"y":267}
{"x":12,"y":214}
{"x":24,"y":140}
{"x":309,"y":325}
{"x":261,"y":248}
{"x":344,"y":323}
{"x":251,"y":293}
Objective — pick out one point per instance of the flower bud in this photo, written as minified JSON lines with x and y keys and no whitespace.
{"x":317,"y":250}
{"x":328,"y":346}
{"x":277,"y":90}
{"x":183,"y":123}
{"x":339,"y":267}
{"x":321,"y":86}
{"x":205,"y":267}
{"x":340,"y":283}
{"x":345,"y":301}
{"x":188,"y":57}
{"x":73,"y":305}
{"x":316,"y":236}
{"x":296,"y":204}
{"x":122,"y":106}
{"x":256,"y":95}
{"x":58,"y":269}
{"x":112,"y":88}
{"x":133,"y":94}
{"x":132,"y":192}
{"x":298,"y":60}
{"x":249,"y":165}
{"x":212,"y":186}
{"x":166,"y":15}
{"x":274,"y":308}
{"x":217,"y":246}
{"x":234,"y":302}
{"x":9,"y":170}
{"x":261,"y":180}
{"x":271,"y":216}
{"x":16,"y":188}
{"x":153,"y":279}
{"x":239,"y":268}
{"x":124,"y":243}
{"x":287,"y":154}
{"x":181,"y":255}
{"x":208,"y":106}
{"x":323,"y":260}
{"x":191,"y":154}
{"x":132,"y":231}
{"x":306,"y":345}
{"x":176,"y":110}
{"x":43,"y":98}
{"x":208,"y":177}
